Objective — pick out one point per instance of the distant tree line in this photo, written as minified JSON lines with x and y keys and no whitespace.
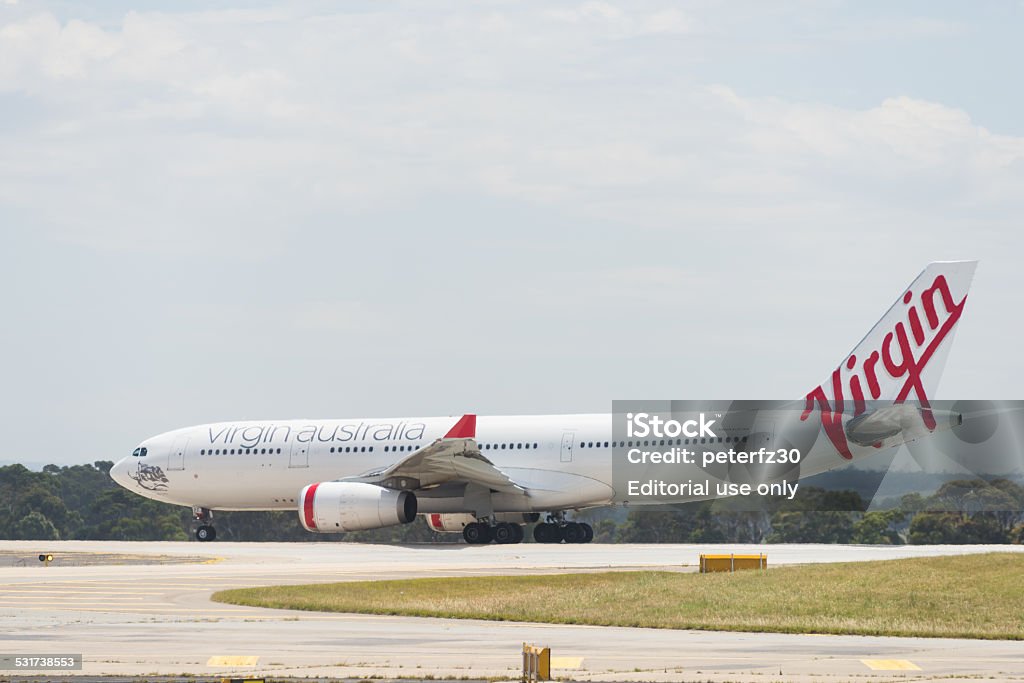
{"x":960,"y":512}
{"x":82,"y":502}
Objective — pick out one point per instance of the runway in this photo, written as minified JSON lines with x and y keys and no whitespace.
{"x":157,"y":619}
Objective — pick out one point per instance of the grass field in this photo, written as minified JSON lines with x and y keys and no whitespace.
{"x":971,"y":596}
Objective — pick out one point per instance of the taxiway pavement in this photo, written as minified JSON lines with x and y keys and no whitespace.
{"x":157,"y":619}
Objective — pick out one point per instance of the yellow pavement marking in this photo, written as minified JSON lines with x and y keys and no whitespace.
{"x":566,"y":662}
{"x":232,"y":660}
{"x":890,"y":665}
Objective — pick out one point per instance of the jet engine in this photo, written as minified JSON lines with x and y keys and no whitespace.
{"x":899,"y":423}
{"x":333,"y":506}
{"x":455,"y":522}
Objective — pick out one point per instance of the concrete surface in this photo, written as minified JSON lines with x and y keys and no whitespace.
{"x":139,"y":619}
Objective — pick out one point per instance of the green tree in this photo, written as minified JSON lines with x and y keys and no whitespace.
{"x":35,"y":527}
{"x":879,"y":527}
{"x":814,"y":526}
{"x":690,"y":523}
{"x":928,"y":528}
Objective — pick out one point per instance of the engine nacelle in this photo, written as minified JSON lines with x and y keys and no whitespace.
{"x":454,"y":522}
{"x":899,"y":423}
{"x":333,"y":506}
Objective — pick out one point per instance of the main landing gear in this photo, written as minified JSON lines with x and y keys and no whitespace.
{"x":555,"y":530}
{"x":570,"y":532}
{"x":203,"y":519}
{"x":502,"y":533}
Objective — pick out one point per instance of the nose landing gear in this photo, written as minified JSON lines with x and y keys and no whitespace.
{"x":202,"y":520}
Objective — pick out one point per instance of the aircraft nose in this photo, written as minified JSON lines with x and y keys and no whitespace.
{"x":119,"y":472}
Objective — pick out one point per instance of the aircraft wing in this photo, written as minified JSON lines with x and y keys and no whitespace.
{"x":455,"y":457}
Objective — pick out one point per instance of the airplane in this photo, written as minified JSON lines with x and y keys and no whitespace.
{"x":486,"y":477}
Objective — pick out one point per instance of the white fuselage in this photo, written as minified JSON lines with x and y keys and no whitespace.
{"x":263,"y":465}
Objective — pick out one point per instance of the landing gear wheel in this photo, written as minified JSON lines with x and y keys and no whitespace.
{"x":520,"y":534}
{"x":206,"y":533}
{"x":477,"y":533}
{"x":573,"y":533}
{"x":541,"y":533}
{"x":504,"y":533}
{"x":588,"y":532}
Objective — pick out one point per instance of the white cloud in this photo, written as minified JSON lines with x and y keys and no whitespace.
{"x":193,"y":124}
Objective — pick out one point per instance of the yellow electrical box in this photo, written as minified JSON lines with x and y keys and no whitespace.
{"x":732,"y":563}
{"x":536,"y":663}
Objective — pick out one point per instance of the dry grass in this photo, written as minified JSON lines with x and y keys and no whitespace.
{"x":971,"y":596}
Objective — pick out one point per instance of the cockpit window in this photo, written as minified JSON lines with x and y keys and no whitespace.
{"x":135,"y":453}
{"x":139,"y":453}
{"x":142,"y":453}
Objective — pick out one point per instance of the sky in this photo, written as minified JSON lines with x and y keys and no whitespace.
{"x":215,"y":211}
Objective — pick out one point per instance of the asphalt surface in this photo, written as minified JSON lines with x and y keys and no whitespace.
{"x":129,"y":618}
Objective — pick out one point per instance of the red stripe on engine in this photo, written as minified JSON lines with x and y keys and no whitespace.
{"x":435,"y":521}
{"x":307,"y":506}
